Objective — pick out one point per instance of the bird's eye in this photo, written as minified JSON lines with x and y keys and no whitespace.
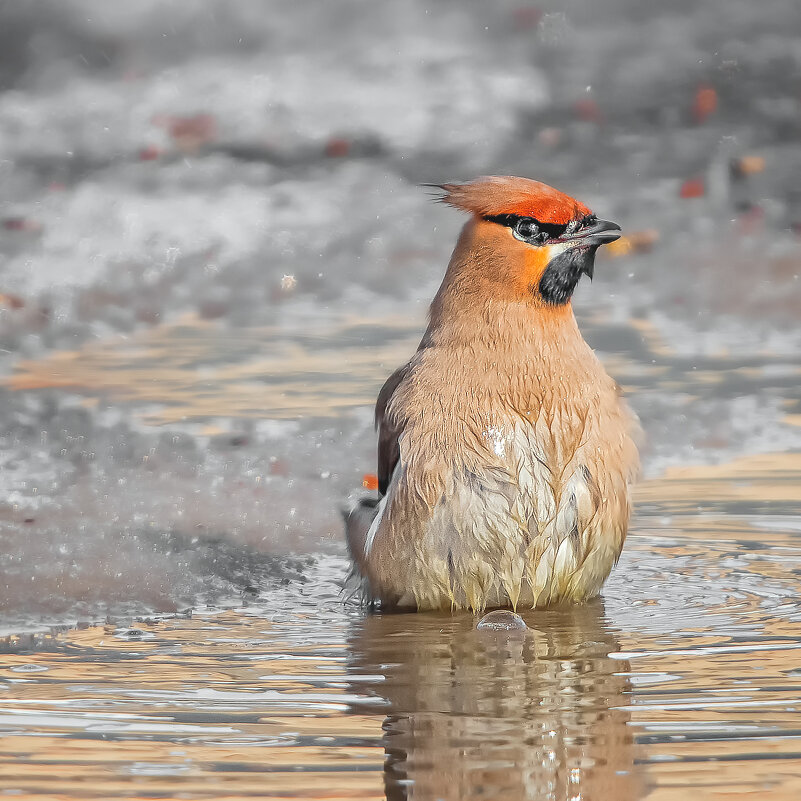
{"x":527,"y":229}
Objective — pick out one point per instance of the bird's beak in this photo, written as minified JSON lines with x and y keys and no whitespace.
{"x":601,"y":232}
{"x":587,"y":240}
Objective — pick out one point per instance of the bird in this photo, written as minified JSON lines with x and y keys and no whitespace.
{"x":506,"y":453}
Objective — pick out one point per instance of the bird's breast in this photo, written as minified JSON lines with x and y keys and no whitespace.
{"x":512,"y":480}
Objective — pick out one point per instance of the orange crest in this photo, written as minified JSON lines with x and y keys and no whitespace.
{"x":495,"y":195}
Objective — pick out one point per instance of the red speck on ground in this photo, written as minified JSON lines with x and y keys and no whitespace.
{"x":527,"y":17}
{"x":588,"y":110}
{"x":693,"y":187}
{"x":21,"y":224}
{"x":337,"y":147}
{"x":149,"y":153}
{"x":705,"y":103}
{"x":12,"y":301}
{"x":192,"y":132}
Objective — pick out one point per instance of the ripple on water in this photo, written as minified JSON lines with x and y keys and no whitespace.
{"x":686,"y":674}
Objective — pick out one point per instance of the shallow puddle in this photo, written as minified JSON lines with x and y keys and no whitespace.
{"x":322,"y":366}
{"x":194,"y":370}
{"x":683,"y":681}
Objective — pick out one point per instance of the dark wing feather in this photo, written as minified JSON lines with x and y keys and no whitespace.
{"x":388,"y":433}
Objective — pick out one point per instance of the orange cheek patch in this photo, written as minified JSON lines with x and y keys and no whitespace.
{"x":535,"y":262}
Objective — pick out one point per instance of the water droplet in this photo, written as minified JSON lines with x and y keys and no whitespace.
{"x":29,"y":668}
{"x":501,"y":620}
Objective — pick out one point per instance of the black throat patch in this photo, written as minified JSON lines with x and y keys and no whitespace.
{"x":563,"y":272}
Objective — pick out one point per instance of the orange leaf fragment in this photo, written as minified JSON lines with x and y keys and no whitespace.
{"x":370,"y":481}
{"x":636,"y":242}
{"x":750,"y":165}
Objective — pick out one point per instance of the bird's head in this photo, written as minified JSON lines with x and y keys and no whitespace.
{"x":526,"y":240}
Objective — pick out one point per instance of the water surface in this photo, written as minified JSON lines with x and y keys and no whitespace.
{"x":683,"y":679}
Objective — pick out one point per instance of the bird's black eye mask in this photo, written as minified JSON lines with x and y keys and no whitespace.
{"x":534,"y":232}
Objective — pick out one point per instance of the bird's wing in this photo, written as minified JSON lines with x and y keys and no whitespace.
{"x":388,"y":430}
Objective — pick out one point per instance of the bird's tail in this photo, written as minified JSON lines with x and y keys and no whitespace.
{"x":358,"y":514}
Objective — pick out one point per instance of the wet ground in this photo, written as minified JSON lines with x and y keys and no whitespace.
{"x":213,"y":249}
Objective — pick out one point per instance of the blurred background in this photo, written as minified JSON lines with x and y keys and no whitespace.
{"x":214,"y":248}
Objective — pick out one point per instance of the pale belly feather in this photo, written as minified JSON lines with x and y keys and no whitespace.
{"x":520,"y":533}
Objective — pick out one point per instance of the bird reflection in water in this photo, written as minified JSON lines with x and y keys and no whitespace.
{"x":470,"y":714}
